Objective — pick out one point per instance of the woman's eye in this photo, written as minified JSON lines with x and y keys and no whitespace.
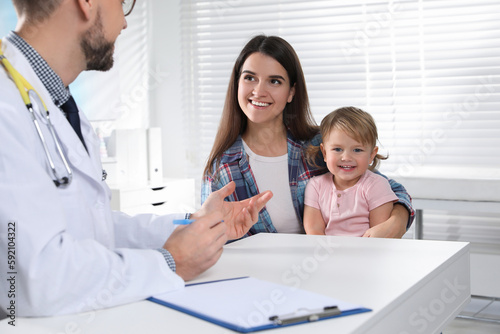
{"x":248,"y":78}
{"x":275,"y":81}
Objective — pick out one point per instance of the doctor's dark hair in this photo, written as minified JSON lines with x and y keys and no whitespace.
{"x":36,"y":11}
{"x":356,"y":123}
{"x":297,"y":116}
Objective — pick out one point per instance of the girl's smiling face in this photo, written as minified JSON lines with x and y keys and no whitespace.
{"x":346,"y":158}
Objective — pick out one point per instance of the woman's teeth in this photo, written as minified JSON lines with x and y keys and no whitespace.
{"x":260,"y":104}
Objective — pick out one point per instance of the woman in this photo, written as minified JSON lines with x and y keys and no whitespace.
{"x":266,"y":126}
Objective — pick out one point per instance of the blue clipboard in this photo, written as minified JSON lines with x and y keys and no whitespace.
{"x":247,"y":304}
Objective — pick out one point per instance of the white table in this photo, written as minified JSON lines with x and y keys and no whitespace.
{"x":413,"y":286}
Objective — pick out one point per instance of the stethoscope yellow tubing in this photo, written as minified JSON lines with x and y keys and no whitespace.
{"x":21,"y":83}
{"x":24,"y":87}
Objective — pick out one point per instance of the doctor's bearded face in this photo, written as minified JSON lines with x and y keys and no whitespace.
{"x":98,"y":51}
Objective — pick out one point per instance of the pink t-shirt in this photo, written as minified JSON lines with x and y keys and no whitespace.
{"x":346,"y":212}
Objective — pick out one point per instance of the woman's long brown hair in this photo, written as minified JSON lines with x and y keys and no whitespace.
{"x":297,"y":116}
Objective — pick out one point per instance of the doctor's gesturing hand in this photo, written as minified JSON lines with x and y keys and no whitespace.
{"x":198,"y":246}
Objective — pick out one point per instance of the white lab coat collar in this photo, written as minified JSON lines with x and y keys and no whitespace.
{"x":76,"y":154}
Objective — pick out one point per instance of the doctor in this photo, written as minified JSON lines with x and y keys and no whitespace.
{"x":69,"y":251}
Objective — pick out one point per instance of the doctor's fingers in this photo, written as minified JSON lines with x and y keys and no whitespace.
{"x":209,"y":246}
{"x":200,"y":262}
{"x":194,"y":261}
{"x":217,"y":234}
{"x":213,"y":250}
{"x":215,"y":257}
{"x":207,"y":221}
{"x":207,"y":232}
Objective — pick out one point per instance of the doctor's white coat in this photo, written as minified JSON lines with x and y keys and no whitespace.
{"x":72,"y":253}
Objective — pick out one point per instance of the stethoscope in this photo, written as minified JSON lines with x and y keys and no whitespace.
{"x":32,"y":99}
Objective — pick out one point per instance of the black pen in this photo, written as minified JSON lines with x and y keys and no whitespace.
{"x":327,"y":311}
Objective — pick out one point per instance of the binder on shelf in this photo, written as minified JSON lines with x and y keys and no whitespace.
{"x":155,"y":160}
{"x":247,"y":304}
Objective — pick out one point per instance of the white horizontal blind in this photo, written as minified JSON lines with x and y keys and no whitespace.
{"x":428,"y":71}
{"x":119,"y":98}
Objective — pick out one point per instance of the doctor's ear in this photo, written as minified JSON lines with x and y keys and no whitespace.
{"x":86,"y":7}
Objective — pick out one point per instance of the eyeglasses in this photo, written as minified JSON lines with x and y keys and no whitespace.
{"x":128,"y":6}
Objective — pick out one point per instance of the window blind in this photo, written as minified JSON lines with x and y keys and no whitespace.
{"x":428,"y":71}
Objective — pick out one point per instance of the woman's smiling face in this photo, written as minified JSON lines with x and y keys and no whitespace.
{"x":264,"y":89}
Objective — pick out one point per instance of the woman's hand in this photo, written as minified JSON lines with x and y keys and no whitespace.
{"x":238,"y":216}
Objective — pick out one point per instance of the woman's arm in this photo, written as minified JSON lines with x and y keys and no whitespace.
{"x":404,"y":200}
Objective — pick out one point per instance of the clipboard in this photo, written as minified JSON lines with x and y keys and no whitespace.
{"x":247,"y":304}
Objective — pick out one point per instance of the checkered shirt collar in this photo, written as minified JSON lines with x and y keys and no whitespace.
{"x":49,"y":78}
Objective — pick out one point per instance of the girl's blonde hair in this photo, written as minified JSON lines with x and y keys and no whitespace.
{"x":356,"y":123}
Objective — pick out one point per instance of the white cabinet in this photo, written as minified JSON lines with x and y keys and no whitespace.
{"x":168,"y":196}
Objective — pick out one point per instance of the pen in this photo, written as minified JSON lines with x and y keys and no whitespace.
{"x":328,"y":311}
{"x":183,"y":221}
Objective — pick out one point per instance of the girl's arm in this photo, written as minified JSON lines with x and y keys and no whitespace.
{"x":313,"y":221}
{"x":380,"y":214}
{"x":394,"y":227}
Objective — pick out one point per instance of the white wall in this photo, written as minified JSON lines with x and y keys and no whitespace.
{"x":165,"y":89}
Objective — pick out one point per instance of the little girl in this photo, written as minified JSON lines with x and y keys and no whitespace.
{"x":350,"y":198}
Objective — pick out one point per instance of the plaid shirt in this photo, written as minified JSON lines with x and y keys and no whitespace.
{"x":235,"y":167}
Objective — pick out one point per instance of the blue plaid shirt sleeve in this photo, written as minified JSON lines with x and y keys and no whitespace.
{"x":206,"y":188}
{"x":209,"y":184}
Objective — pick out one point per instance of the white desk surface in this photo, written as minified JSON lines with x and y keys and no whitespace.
{"x":413,"y":286}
